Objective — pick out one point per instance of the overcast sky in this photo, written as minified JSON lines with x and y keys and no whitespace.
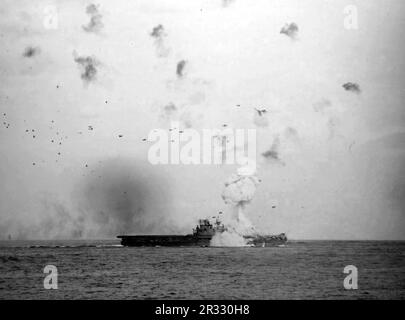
{"x":84,"y":172}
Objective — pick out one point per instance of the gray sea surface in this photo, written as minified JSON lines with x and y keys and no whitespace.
{"x":102,"y":269}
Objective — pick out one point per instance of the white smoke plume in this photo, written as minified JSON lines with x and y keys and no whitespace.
{"x":238,"y":192}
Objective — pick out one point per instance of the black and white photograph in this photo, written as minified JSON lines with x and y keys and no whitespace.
{"x":206,"y":150}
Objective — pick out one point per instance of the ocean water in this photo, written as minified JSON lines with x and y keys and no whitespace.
{"x":105,"y":270}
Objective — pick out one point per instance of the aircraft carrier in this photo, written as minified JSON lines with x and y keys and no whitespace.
{"x":201,"y":237}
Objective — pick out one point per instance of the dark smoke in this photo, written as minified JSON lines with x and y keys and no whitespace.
{"x":351,"y":86}
{"x":121,"y":197}
{"x":180,"y":68}
{"x":88,"y":65}
{"x":30,"y":52}
{"x":95,"y":24}
{"x":158,"y":32}
{"x":290,"y":30}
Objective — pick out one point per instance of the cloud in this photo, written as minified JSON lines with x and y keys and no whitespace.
{"x":351,"y":86}
{"x":290,"y":30}
{"x":95,"y":24}
{"x":30,"y":52}
{"x":88,"y":65}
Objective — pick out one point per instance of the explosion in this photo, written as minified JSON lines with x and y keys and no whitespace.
{"x":238,"y":192}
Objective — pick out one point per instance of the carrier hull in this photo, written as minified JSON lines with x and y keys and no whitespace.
{"x":192,"y":241}
{"x":201,"y":237}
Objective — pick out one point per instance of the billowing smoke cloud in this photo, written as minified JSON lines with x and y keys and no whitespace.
{"x":238,"y":192}
{"x":95,"y":24}
{"x":290,"y":30}
{"x":30,"y":52}
{"x":159,"y":34}
{"x":119,"y":198}
{"x":351,"y":86}
{"x":180,"y":69}
{"x":88,"y":65}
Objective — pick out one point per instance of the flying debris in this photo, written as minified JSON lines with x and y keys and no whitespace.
{"x":95,"y":24}
{"x":120,"y":136}
{"x":259,"y":119}
{"x":260,"y":112}
{"x":351,"y":86}
{"x":180,"y":68}
{"x":290,"y":30}
{"x":30,"y":52}
{"x":88,"y":65}
{"x":144,"y":139}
